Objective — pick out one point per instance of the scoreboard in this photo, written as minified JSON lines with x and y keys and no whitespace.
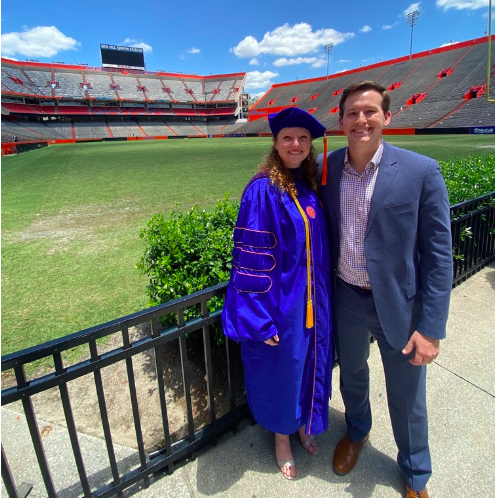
{"x":122,"y":57}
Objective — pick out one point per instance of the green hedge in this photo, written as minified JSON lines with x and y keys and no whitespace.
{"x":468,"y":178}
{"x":187,"y":253}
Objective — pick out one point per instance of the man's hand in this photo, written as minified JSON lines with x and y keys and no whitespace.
{"x":426,"y":349}
{"x":272,"y":341}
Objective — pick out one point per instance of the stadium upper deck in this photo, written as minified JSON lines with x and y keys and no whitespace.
{"x":443,"y":87}
{"x":51,"y":84}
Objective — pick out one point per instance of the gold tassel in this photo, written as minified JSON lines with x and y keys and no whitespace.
{"x":309,"y":303}
{"x":309,"y":315}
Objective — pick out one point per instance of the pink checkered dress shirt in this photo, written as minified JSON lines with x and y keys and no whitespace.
{"x":356,"y":194}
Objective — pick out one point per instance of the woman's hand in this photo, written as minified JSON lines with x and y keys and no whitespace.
{"x":272,"y":341}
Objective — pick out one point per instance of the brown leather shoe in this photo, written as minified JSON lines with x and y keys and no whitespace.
{"x":411,"y":493}
{"x":346,"y":455}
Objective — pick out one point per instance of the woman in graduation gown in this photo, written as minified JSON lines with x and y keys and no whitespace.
{"x":278,"y":299}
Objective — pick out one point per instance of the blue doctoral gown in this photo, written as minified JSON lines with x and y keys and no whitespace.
{"x":288,"y":385}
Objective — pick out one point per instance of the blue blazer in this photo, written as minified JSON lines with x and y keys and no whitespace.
{"x":408,"y":246}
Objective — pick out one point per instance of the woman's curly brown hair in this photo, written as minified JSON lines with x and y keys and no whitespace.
{"x":280,"y":175}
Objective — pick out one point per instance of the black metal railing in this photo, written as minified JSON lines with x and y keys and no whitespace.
{"x":473,"y":234}
{"x":171,"y":452}
{"x":472,"y":225}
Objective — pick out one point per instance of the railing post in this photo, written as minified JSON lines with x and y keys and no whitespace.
{"x":71,"y":427}
{"x":35,"y":434}
{"x":103,"y":415}
{"x":134,"y":404}
{"x":162,"y":395}
{"x":207,"y":360}
{"x":186,"y":381}
{"x":7,"y":478}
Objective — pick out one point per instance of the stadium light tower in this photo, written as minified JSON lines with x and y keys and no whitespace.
{"x":328,"y":48}
{"x":411,"y":19}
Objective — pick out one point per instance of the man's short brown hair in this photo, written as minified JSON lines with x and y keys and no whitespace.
{"x":364,"y":86}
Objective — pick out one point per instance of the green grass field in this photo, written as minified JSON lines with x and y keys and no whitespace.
{"x":72,"y":215}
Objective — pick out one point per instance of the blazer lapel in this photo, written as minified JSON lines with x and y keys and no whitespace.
{"x":385,"y":177}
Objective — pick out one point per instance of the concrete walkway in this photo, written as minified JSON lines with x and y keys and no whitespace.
{"x":461,"y":400}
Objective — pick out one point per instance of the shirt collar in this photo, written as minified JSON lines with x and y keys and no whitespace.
{"x":373,"y":163}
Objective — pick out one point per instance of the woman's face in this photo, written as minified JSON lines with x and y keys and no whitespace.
{"x":293,"y":146}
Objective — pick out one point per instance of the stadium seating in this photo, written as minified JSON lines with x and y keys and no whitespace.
{"x":420,"y":75}
{"x":14,"y":81}
{"x":154,"y":88}
{"x":85,"y":130}
{"x":40,"y":79}
{"x":125,"y":129}
{"x":32,"y":130}
{"x":185,"y":128}
{"x":101,"y":86}
{"x":69,"y":84}
{"x":156,"y":128}
{"x":432,"y":89}
{"x":222,"y":127}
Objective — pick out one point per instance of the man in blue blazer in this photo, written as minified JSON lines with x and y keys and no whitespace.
{"x":392,"y":264}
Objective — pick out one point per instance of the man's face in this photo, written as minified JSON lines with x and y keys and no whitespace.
{"x":364,"y":119}
{"x":293,"y":146}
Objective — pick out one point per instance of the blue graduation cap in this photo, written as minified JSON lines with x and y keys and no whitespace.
{"x":295,"y":117}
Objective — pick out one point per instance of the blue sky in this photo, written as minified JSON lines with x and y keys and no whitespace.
{"x":273,"y":42}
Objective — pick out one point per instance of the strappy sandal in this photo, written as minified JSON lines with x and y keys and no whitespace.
{"x":306,"y":445}
{"x":286,"y":464}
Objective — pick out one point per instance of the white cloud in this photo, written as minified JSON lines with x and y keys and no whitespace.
{"x":342,"y":61}
{"x":283,"y":61}
{"x":341,"y":71}
{"x":412,"y":7}
{"x":366,"y":28}
{"x":256,"y":79}
{"x":449,"y":43}
{"x":144,"y":46}
{"x":319,"y":63}
{"x":289,"y":41}
{"x":135,"y":43}
{"x":41,"y":41}
{"x":462,"y":4}
{"x":248,"y":47}
{"x":389,"y":26}
{"x":256,"y":96}
{"x":254,"y":62}
{"x":194,"y":50}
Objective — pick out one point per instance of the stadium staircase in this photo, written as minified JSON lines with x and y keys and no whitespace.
{"x":200,"y":132}
{"x":448,"y":114}
{"x":141,"y":129}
